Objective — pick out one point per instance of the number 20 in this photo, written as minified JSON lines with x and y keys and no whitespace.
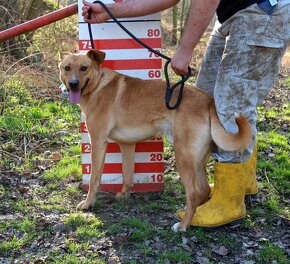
{"x":156,"y":157}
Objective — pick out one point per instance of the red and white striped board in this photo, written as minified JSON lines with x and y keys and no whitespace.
{"x":126,"y":56}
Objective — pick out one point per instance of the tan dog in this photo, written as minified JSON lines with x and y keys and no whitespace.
{"x":129,"y":110}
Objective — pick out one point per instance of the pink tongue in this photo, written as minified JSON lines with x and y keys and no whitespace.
{"x":75,"y":97}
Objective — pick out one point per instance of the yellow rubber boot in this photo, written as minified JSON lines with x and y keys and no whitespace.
{"x":252,"y":186}
{"x":227,"y":202}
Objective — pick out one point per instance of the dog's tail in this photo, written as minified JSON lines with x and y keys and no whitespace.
{"x":228,"y":141}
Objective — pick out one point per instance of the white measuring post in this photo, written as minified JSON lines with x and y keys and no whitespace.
{"x":126,"y":56}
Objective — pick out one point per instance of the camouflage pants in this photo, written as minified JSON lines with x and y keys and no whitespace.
{"x":240,"y":65}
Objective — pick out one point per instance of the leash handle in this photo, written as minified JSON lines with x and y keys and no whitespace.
{"x":169,"y":88}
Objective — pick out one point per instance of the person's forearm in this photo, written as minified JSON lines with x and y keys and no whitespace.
{"x":134,"y":8}
{"x":200,"y":14}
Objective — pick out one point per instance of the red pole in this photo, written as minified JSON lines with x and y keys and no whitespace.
{"x":38,"y":22}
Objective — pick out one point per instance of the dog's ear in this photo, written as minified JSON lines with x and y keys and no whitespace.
{"x":96,"y":55}
{"x":61,"y":55}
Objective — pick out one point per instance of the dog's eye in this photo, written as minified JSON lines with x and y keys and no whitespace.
{"x":67,"y":68}
{"x":84,"y":68}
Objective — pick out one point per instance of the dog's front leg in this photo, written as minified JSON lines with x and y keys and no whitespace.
{"x":99,"y":147}
{"x":128,"y":151}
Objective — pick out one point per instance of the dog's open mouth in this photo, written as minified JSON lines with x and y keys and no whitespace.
{"x":75,"y":96}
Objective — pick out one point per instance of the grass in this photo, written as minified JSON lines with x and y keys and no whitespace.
{"x":229,"y":242}
{"x":27,"y":229}
{"x":71,"y":258}
{"x":147,"y":251}
{"x":72,"y":189}
{"x":274,"y":166}
{"x":200,"y":234}
{"x":14,"y":243}
{"x":270,"y":252}
{"x":143,"y":229}
{"x":153,"y":206}
{"x":87,"y":233}
{"x":38,"y":119}
{"x":76,"y":220}
{"x":287,"y":82}
{"x":176,"y":256}
{"x":65,"y":168}
{"x":25,"y":225}
{"x":86,"y":227}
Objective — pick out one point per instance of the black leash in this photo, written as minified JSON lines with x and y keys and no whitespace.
{"x":169,"y":88}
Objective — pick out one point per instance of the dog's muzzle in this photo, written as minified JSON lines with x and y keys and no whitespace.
{"x":74,"y":84}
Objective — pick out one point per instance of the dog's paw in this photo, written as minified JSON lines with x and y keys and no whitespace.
{"x":177,"y":227}
{"x":84,"y":205}
{"x":122,"y":195}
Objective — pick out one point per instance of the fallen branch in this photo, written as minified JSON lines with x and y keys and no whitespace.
{"x":10,"y":154}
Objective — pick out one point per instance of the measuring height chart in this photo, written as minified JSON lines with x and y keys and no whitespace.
{"x":126,"y":56}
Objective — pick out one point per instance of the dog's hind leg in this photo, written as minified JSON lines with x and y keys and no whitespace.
{"x":128,"y":151}
{"x":191,"y":166}
{"x":99,"y":146}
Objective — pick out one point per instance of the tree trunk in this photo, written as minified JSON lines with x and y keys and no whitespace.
{"x":182,"y":19}
{"x":34,"y":9}
{"x":174,"y":25}
{"x":24,"y":7}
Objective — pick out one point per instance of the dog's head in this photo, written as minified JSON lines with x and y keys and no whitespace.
{"x":78,"y":70}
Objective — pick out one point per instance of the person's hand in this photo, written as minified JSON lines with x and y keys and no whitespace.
{"x":98,"y":14}
{"x":181,"y":60}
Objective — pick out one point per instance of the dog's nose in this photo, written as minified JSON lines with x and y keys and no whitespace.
{"x":74,"y":84}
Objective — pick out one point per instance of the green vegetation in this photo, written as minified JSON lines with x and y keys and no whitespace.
{"x":176,"y":256}
{"x":14,"y":243}
{"x":65,"y":168}
{"x":27,"y":227}
{"x":143,"y":229}
{"x":275,"y":168}
{"x":287,"y":82}
{"x":270,"y":252}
